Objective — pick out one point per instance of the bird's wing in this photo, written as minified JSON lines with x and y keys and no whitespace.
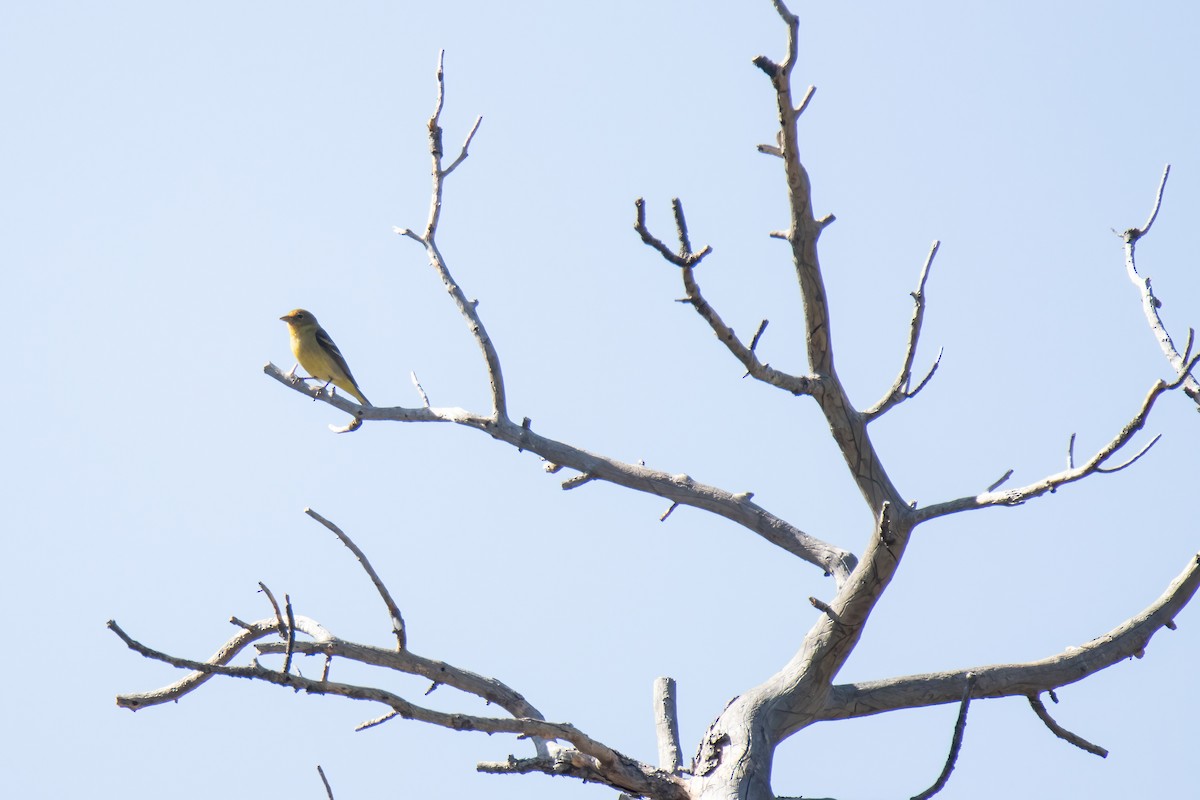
{"x":328,"y":346}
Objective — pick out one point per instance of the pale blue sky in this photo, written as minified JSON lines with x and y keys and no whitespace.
{"x":179,"y":175}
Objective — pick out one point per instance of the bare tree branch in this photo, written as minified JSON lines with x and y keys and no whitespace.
{"x":735,"y":507}
{"x":899,"y":391}
{"x":393,"y":609}
{"x":420,"y":389}
{"x":666,"y":725}
{"x":290,"y":639}
{"x":428,"y":239}
{"x":1129,"y":639}
{"x":1039,"y":708}
{"x":1150,"y":303}
{"x":280,"y":624}
{"x":610,"y":766}
{"x":955,"y":743}
{"x":685,"y":257}
{"x":1001,"y":481}
{"x":1017,"y":496}
{"x":738,"y":747}
{"x":250,"y":632}
{"x":324,"y":780}
{"x":686,"y":260}
{"x":1130,"y":461}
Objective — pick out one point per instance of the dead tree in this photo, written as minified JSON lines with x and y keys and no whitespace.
{"x":734,"y":757}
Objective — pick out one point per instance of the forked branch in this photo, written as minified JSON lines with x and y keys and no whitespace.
{"x":901,"y":388}
{"x":428,"y":239}
{"x":588,"y":758}
{"x":1150,"y":303}
{"x":1096,"y":464}
{"x":608,"y":765}
{"x":686,"y":261}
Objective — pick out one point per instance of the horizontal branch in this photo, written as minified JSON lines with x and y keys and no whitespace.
{"x":1129,"y":639}
{"x":490,"y":690}
{"x":250,"y":633}
{"x":611,"y":767}
{"x":682,"y":489}
{"x":574,"y":764}
{"x":736,"y":507}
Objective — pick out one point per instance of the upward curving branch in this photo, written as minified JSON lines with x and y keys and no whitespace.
{"x":1094,"y":465}
{"x":1150,"y":303}
{"x":428,"y":239}
{"x":901,"y":388}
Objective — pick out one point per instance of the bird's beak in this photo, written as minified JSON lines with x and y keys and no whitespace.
{"x":286,"y":318}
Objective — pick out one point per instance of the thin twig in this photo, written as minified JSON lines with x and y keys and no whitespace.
{"x":928,"y":375}
{"x":824,"y":608}
{"x":468,"y":308}
{"x":1000,"y":481}
{"x":278,"y":614}
{"x":762,"y":326}
{"x":808,"y":96}
{"x":393,"y":609}
{"x":685,"y":258}
{"x":1150,"y":303}
{"x":955,"y":743}
{"x":1039,"y":708}
{"x":577,"y":481}
{"x":420,"y":389}
{"x":899,"y":390}
{"x":1137,"y":233}
{"x":1130,"y":462}
{"x":291,"y":633}
{"x":1093,"y":465}
{"x":371,"y":723}
{"x":324,"y":780}
{"x":466,"y":143}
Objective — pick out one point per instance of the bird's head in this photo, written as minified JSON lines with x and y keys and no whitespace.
{"x":299,"y":318}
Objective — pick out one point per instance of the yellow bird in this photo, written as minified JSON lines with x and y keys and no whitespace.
{"x":317,"y":353}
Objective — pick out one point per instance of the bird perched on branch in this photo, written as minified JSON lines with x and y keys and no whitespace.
{"x":319,"y":356}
